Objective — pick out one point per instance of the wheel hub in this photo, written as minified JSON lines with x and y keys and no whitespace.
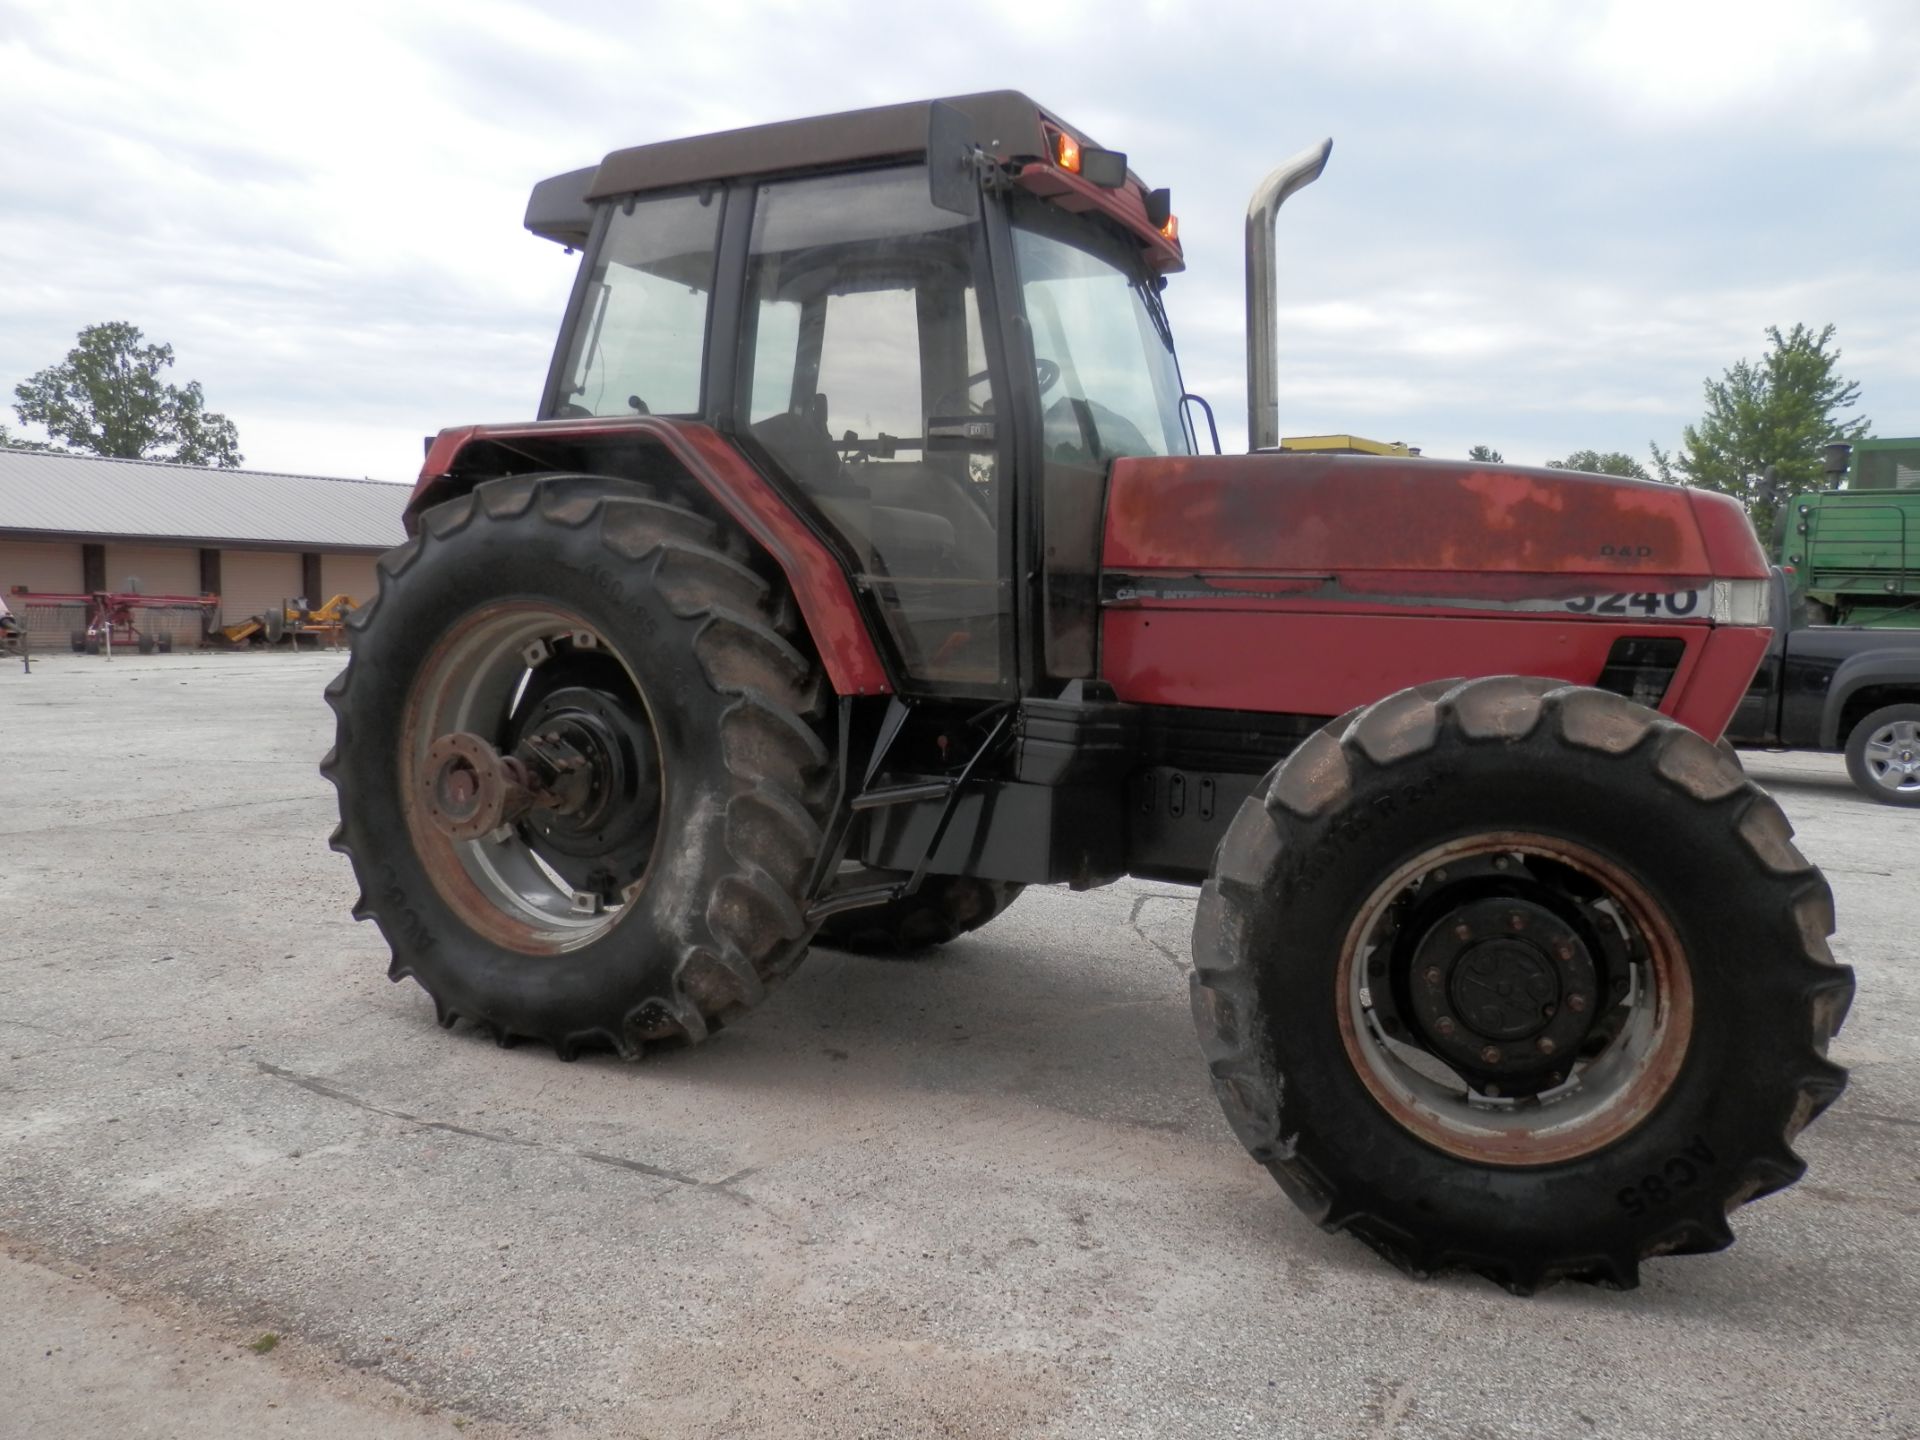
{"x":1893,"y":755}
{"x":612,"y":821}
{"x":1505,"y":990}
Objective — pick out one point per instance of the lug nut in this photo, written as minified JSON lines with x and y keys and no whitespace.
{"x":1439,"y":875}
{"x":1463,"y":931}
{"x":1492,"y":1055}
{"x":1500,"y":862}
{"x":1576,"y":1003}
{"x":1565,"y":952}
{"x":1433,"y":975}
{"x":1516,"y":921}
{"x":1443,"y":1026}
{"x":1545,"y":1045}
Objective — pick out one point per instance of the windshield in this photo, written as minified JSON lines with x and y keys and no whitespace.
{"x":1109,"y":385}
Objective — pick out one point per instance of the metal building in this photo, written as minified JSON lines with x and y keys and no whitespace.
{"x":83,"y":523}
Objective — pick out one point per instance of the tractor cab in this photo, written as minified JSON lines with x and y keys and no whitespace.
{"x":906,"y":342}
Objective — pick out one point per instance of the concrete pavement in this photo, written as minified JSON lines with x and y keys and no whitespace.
{"x":982,"y":1193}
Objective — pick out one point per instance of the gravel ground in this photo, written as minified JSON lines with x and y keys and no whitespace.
{"x":979,"y":1194}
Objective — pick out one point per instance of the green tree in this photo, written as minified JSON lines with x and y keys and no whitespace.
{"x":1775,"y":413}
{"x":8,"y":442}
{"x":1486,"y":455}
{"x":1596,"y":462}
{"x":107,"y":397}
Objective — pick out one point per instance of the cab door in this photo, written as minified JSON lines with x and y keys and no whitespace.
{"x":867,"y":380}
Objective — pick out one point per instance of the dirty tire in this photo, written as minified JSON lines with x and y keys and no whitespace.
{"x":1897,"y":723}
{"x":944,"y":908}
{"x":744,"y":776}
{"x":1319,"y":840}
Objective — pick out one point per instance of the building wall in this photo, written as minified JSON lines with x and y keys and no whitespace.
{"x":342,"y":574}
{"x":44,"y":567}
{"x":252,"y":581}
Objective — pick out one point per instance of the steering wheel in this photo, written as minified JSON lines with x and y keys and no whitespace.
{"x":1046,"y":375}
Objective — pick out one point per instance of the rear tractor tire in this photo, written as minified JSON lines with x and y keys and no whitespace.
{"x":944,"y":908}
{"x":1520,"y":978}
{"x":666,"y":893}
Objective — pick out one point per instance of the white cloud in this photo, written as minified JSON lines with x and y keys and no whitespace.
{"x":1543,"y":225}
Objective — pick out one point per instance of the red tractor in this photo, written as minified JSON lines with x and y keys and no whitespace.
{"x":862,"y":568}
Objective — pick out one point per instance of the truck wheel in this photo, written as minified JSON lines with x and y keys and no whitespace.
{"x":944,"y":908}
{"x":1522,"y":978}
{"x":666,"y":894}
{"x":1883,"y":755}
{"x":79,"y":642}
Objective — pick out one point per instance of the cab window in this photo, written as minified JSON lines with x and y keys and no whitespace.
{"x":639,"y":343}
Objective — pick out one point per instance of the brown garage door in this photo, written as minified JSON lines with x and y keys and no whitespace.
{"x":49,"y":569}
{"x":157,"y":570}
{"x":253,"y":580}
{"x":345,"y":575}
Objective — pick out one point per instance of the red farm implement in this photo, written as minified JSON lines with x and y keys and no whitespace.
{"x":103,"y":619}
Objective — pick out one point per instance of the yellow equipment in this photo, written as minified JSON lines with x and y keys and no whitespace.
{"x":292,"y":617}
{"x":1345,"y":445}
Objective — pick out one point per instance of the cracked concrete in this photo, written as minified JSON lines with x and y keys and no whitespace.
{"x":981,"y":1193}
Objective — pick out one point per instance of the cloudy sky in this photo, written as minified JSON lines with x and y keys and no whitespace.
{"x":1543,"y":226}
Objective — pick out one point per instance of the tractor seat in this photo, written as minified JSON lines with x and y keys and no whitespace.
{"x":903,"y":536}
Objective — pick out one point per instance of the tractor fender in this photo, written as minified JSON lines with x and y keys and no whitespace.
{"x":460,"y":458}
{"x":1888,"y":669}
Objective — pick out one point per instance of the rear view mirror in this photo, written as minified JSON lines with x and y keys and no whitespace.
{"x":1105,"y":168}
{"x":953,"y":183}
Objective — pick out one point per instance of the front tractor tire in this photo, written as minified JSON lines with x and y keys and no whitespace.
{"x":624,"y":647}
{"x":1519,"y":978}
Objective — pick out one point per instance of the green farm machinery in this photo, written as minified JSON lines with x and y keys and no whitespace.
{"x":1853,"y":549}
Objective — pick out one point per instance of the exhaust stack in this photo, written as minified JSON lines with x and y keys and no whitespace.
{"x":1263,"y":211}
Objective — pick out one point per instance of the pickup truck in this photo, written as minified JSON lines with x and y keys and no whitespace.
{"x":1838,"y":687}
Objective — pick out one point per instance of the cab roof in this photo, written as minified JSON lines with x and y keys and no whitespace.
{"x":1012,"y":128}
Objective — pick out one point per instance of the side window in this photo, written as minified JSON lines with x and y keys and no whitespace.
{"x":862,"y":361}
{"x":639,"y":346}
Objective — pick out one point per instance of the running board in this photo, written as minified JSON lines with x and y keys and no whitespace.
{"x":905,"y":794}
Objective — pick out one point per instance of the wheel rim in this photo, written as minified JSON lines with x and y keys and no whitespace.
{"x":1514,"y":999}
{"x":547,"y":882}
{"x":1892,"y":756}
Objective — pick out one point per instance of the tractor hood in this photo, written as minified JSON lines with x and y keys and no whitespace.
{"x":1309,"y":584}
{"x":1392,"y":532}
